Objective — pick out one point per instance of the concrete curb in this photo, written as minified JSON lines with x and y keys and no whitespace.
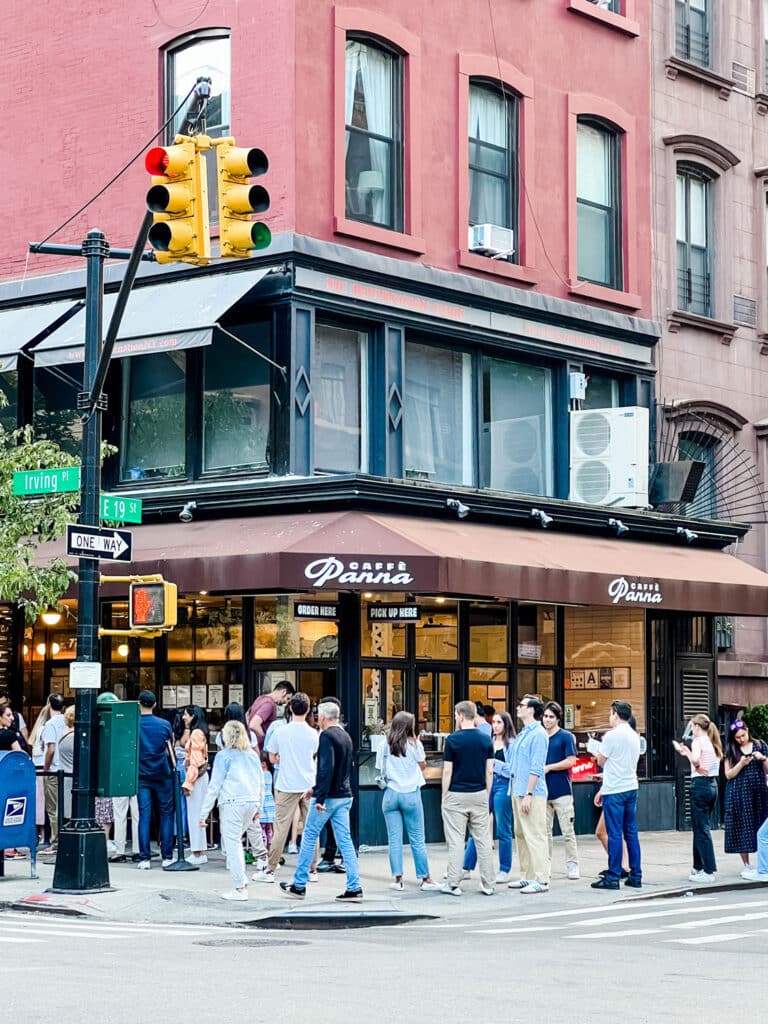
{"x":694,"y":890}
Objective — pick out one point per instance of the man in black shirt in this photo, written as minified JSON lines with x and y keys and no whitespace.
{"x":467,"y":779}
{"x":331,"y":801}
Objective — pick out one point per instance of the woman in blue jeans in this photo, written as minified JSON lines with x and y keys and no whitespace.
{"x":401,"y":762}
{"x":499,"y":800}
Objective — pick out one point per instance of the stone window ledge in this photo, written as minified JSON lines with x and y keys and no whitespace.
{"x":675,"y":66}
{"x":678,"y":319}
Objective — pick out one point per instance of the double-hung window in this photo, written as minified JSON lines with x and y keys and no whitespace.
{"x":598,"y":202}
{"x":692,"y":31}
{"x":373,"y":135}
{"x":493,"y":155}
{"x":339,"y":376}
{"x":694,"y":232}
{"x":699,"y":448}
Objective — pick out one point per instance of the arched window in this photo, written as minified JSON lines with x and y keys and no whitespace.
{"x":373,"y":117}
{"x":693,"y":217}
{"x":493,"y":156}
{"x":598,"y":203}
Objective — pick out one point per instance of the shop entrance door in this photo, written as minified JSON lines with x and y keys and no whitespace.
{"x":435,"y":690}
{"x":317,"y":681}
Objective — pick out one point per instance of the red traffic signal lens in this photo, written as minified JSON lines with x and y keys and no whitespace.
{"x":148,"y":604}
{"x":157,"y":160}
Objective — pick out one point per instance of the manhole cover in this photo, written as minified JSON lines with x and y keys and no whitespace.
{"x":251,"y":942}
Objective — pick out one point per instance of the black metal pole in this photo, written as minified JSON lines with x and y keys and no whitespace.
{"x":81,"y":861}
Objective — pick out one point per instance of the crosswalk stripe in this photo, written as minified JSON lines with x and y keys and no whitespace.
{"x":701,"y":940}
{"x":84,"y":932}
{"x":730,"y":919}
{"x":17,"y":941}
{"x":37,"y":917}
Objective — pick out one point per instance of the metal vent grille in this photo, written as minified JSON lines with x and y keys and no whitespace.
{"x":695,"y":692}
{"x":593,"y":434}
{"x":744,"y":78}
{"x":593,"y":482}
{"x":744,"y":311}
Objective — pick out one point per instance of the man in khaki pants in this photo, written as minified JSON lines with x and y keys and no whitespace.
{"x":467,"y":780}
{"x":293,"y":748}
{"x":529,"y":798}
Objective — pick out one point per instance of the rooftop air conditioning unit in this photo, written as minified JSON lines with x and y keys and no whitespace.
{"x":609,"y":457}
{"x":491,"y":240}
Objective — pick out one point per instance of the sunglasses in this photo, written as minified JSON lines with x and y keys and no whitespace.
{"x":735,"y":726}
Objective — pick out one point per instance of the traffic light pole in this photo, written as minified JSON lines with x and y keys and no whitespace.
{"x":81,"y":859}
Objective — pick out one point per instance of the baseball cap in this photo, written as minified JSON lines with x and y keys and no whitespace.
{"x":147,"y":699}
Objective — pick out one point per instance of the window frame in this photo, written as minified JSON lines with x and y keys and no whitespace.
{"x":689,"y":171}
{"x":682,"y":19}
{"x":624,"y":20}
{"x":511,"y":152}
{"x":366,"y":348}
{"x":615,"y":260}
{"x":384,"y":32}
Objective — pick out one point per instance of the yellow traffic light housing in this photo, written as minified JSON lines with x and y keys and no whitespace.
{"x":178,"y":199}
{"x":238,"y":200}
{"x":152,"y":605}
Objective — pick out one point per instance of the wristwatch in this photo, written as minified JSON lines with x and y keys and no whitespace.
{"x":529,"y":794}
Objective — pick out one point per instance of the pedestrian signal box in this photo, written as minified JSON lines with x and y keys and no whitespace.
{"x":152,"y":605}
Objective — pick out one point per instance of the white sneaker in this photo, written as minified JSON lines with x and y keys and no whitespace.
{"x":749,"y":873}
{"x":111,"y":848}
{"x":197,"y":859}
{"x":261,"y":865}
{"x":521,"y":883}
{"x":433,"y":886}
{"x":235,"y":894}
{"x":487,"y":892}
{"x":263,"y":876}
{"x":573,"y":870}
{"x":696,"y":876}
{"x":144,"y":865}
{"x":533,"y":887}
{"x":397,"y":886}
{"x":713,"y":877}
{"x":293,"y":848}
{"x":167,"y":863}
{"x":503,"y":876}
{"x":314,"y":876}
{"x":762,"y":876}
{"x":450,"y":890}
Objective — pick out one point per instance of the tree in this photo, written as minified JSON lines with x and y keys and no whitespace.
{"x":26,"y":523}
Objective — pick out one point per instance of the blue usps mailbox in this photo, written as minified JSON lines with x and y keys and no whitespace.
{"x":17,"y":804}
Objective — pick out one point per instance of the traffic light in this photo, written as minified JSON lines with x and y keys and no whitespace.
{"x":152,"y":605}
{"x":239,"y":235}
{"x":178,"y":199}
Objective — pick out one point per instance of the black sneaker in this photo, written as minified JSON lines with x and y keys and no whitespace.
{"x":624,"y":874}
{"x":293,"y":891}
{"x":633,"y":883}
{"x":324,"y":866}
{"x":351,"y":896}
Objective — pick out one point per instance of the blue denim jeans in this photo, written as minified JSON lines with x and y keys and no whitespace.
{"x":337,"y":812}
{"x":762,"y":848}
{"x":703,"y":802}
{"x":405,"y":809}
{"x":161,"y":792}
{"x":620,"y":811}
{"x":500,"y":804}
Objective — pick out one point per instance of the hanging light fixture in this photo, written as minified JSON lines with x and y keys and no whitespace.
{"x":40,"y":649}
{"x":122,"y":650}
{"x":51,"y":617}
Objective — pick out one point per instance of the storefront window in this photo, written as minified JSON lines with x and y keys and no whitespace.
{"x":382,"y":639}
{"x":604,"y":661}
{"x":282,"y":631}
{"x":339,"y":376}
{"x":55,"y":406}
{"x":435,"y":702}
{"x":517,"y":450}
{"x":209,"y":629}
{"x":437,"y":629}
{"x":153,"y":443}
{"x":383,"y":697}
{"x":536,"y":634}
{"x":9,"y":395}
{"x":488,"y":633}
{"x":541,"y":682}
{"x":489,"y":687}
{"x":439,"y":434}
{"x":236,"y":396}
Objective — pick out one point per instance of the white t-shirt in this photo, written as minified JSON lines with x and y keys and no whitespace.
{"x":52,"y":731}
{"x":621,"y":747}
{"x":403,"y":774}
{"x":296,"y":743}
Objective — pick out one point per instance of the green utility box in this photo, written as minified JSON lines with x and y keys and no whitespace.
{"x":117,"y":773}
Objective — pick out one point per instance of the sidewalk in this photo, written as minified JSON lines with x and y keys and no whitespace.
{"x":194,"y":897}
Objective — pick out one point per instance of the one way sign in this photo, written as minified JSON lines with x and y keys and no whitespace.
{"x":92,"y":542}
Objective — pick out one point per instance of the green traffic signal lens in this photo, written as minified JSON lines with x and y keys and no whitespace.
{"x":261,"y":236}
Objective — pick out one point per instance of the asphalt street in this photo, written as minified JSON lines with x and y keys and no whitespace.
{"x":638,"y":961}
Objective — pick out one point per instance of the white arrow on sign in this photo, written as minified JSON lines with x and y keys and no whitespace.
{"x":111,"y":544}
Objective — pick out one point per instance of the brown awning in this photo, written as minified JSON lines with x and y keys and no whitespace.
{"x":365,"y":551}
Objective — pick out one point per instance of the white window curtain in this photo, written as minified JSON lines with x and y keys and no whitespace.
{"x":488,"y":124}
{"x":375,"y":69}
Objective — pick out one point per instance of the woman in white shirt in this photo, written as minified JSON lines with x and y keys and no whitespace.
{"x":401,"y":762}
{"x":705,"y":754}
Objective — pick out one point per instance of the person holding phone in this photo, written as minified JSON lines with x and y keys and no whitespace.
{"x":704,"y":755}
{"x":746,"y":795}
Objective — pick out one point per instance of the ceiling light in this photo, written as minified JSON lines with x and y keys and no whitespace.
{"x":439,"y":600}
{"x":51,"y":617}
{"x":368,"y":594}
{"x":122,"y":650}
{"x":55,"y":648}
{"x":40,"y":649}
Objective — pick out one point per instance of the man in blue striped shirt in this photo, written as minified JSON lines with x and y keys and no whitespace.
{"x":529,"y":798}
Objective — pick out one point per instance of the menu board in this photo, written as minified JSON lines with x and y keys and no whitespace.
{"x":606,"y":677}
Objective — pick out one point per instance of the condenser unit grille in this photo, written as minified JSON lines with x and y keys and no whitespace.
{"x":593,"y":434}
{"x":593,"y":482}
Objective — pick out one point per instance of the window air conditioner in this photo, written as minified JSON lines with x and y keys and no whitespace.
{"x":609,"y":457}
{"x":491,"y":240}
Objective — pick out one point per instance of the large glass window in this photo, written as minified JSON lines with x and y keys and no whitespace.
{"x":598,"y":194}
{"x":692,"y":31}
{"x":439,"y":434}
{"x":492,"y":157}
{"x":280,"y":633}
{"x":700,"y":449}
{"x":9,"y":400}
{"x":517,"y":427}
{"x":153,"y":443}
{"x":204,"y":55}
{"x":694,"y":232}
{"x":602,"y":391}
{"x":236,"y":397}
{"x":373,"y":119}
{"x":339,"y":376}
{"x":55,"y":406}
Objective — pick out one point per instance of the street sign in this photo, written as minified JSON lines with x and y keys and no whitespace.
{"x":85,"y":675}
{"x":92,"y":542}
{"x":120,"y":508}
{"x":46,"y":481}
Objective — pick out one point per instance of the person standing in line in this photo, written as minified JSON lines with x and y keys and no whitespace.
{"x":500,"y":802}
{"x":481,"y":721}
{"x":155,"y":780}
{"x":704,"y":754}
{"x":67,"y":758}
{"x":529,"y":799}
{"x":195,"y":784}
{"x":331,"y":801}
{"x":120,"y":807}
{"x":262,"y":713}
{"x":9,"y":737}
{"x":618,"y":756}
{"x":402,"y":762}
{"x":52,"y":731}
{"x":467,"y":781}
{"x":746,"y":796}
{"x":237,"y":783}
{"x":292,"y":749}
{"x":561,"y":757}
{"x":38,"y":759}
{"x":18,"y":722}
